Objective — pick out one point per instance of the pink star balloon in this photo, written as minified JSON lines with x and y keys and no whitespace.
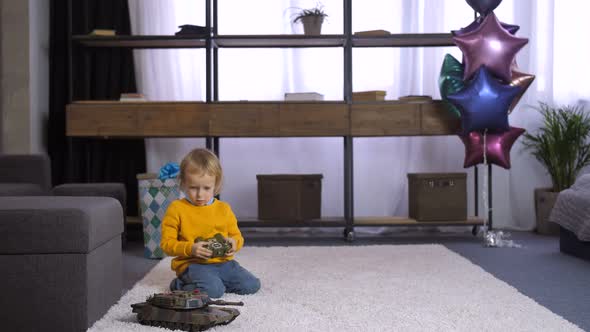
{"x":497,"y":147}
{"x":489,"y":45}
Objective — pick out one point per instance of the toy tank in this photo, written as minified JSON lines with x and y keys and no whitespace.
{"x":217,"y":244}
{"x":184,"y":310}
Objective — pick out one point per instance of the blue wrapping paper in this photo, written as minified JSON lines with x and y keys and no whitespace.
{"x":169,"y":171}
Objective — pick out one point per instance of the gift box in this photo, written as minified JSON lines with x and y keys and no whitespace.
{"x":155,"y":195}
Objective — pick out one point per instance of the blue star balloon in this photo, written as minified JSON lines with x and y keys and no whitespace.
{"x":484,"y":103}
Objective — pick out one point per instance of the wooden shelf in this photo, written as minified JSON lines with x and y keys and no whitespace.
{"x":358,"y":221}
{"x":314,"y":119}
{"x":186,"y":41}
{"x":137,"y":119}
{"x":255,"y":41}
{"x":322,"y":222}
{"x":385,"y":119}
{"x":399,"y":118}
{"x":244,"y":119}
{"x":405,"y":40}
{"x":259,"y":41}
{"x":405,"y":221}
{"x":257,"y":119}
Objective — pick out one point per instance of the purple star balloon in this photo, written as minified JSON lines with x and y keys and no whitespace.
{"x":484,"y":103}
{"x":511,"y":28}
{"x":497,"y":147}
{"x":489,"y":45}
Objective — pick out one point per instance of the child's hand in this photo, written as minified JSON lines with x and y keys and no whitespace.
{"x":200,"y":250}
{"x":233,"y":246}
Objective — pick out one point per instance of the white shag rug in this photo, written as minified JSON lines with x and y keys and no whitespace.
{"x":360,"y":288}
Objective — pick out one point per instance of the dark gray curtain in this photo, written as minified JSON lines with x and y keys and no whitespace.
{"x":97,"y":74}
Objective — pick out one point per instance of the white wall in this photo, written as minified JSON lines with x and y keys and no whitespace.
{"x":39,"y":73}
{"x":24,"y":83}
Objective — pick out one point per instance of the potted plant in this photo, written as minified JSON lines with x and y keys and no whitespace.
{"x":311,"y":19}
{"x":561,"y":145}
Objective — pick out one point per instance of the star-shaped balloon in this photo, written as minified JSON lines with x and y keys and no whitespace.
{"x":511,"y":28}
{"x":489,"y":45}
{"x":484,"y":103}
{"x":497,"y":147}
{"x":484,"y":7}
{"x":522,"y":80}
{"x":450,"y":81}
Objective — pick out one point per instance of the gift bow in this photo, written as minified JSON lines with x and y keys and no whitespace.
{"x":169,"y":171}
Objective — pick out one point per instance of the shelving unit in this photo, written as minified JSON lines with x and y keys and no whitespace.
{"x":214,"y":119}
{"x":140,"y":41}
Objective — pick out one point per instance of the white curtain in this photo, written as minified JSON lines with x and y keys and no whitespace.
{"x":555,"y":54}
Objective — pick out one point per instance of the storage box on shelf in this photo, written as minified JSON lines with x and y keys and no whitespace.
{"x":437,"y":196}
{"x":289,"y":197}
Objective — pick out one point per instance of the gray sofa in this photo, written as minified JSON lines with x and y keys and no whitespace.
{"x":30,"y":175}
{"x":60,"y":261}
{"x":25,"y":175}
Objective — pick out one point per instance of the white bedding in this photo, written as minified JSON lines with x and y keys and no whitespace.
{"x":572,"y":208}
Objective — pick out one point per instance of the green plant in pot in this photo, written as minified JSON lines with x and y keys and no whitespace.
{"x":311,"y":19}
{"x":562,"y":146}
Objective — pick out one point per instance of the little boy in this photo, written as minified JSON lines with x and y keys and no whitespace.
{"x":200,"y":215}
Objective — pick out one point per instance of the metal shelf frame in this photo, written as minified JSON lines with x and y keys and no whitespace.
{"x":212,"y":42}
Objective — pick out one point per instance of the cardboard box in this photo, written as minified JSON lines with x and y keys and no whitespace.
{"x":289,"y":197}
{"x":437,"y":196}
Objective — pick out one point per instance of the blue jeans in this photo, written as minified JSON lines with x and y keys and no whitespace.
{"x":216,"y":279}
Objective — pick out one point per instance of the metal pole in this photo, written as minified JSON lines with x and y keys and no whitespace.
{"x":208,"y":45}
{"x":215,"y":54}
{"x":490,"y":196}
{"x":475,"y":185}
{"x":348,"y":140}
{"x":348,"y":51}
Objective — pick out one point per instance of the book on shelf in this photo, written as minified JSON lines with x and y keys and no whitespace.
{"x":189,"y":29}
{"x":131,"y":97}
{"x":102,"y":32}
{"x":416,"y":98}
{"x":373,"y":95}
{"x":372,"y":33}
{"x":303,"y":96}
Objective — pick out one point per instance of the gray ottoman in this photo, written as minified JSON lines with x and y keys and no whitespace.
{"x":115,"y":190}
{"x":60,"y":261}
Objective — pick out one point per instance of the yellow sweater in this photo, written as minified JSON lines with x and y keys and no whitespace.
{"x":184,"y":222}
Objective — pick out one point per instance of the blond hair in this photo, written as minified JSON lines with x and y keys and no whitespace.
{"x":202,"y":161}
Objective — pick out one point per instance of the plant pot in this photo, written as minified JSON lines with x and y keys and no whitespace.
{"x":544,"y":202}
{"x":312,"y":25}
